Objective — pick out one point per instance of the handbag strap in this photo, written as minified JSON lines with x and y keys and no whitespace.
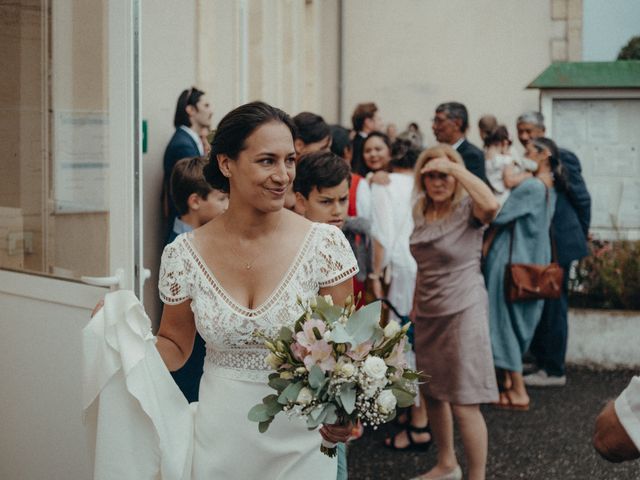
{"x":552,"y":238}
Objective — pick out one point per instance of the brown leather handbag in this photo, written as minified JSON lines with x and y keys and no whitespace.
{"x":526,"y":281}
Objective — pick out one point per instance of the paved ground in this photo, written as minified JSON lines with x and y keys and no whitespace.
{"x":550,"y":441}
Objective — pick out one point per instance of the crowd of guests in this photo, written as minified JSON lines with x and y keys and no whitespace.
{"x":433,"y":229}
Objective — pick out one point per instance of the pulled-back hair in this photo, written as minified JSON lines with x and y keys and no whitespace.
{"x":232,"y":132}
{"x":404,"y":154}
{"x":339,"y":139}
{"x":323,"y":169}
{"x":497,"y":136}
{"x":560,"y":182}
{"x":190,"y":96}
{"x":187,"y":177}
{"x":310,"y":127}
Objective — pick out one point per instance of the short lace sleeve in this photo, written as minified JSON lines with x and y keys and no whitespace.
{"x":335,"y":261}
{"x":173,"y":282}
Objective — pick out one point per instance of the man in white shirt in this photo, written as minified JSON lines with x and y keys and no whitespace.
{"x":617,"y":430}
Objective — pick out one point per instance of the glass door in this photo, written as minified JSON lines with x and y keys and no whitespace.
{"x":70,"y":170}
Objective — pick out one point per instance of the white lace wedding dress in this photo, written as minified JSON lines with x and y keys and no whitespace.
{"x":227,"y":445}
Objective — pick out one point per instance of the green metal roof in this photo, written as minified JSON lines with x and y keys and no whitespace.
{"x":620,"y":74}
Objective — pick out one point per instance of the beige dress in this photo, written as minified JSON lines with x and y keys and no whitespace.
{"x":452,"y":324}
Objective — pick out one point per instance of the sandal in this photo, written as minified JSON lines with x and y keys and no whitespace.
{"x":506,"y":403}
{"x":413,"y":445}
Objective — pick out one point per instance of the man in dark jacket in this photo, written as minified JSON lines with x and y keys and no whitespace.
{"x":450,"y":125}
{"x":193,"y":115}
{"x":570,"y":226}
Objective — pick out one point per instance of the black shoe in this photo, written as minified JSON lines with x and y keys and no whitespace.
{"x":413,"y":445}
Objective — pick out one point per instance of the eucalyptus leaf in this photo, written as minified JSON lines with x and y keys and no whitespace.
{"x":404,"y":398}
{"x":264,"y":426}
{"x":278,"y":383}
{"x":330,"y":313}
{"x":364,"y":324}
{"x":272,"y":404}
{"x":290,"y":394}
{"x":286,"y":335}
{"x":316,"y":377}
{"x":340,"y":335}
{"x":331,"y":416}
{"x":348,"y":397}
{"x":259,"y":413}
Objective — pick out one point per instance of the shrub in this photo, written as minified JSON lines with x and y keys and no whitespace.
{"x":608,"y":278}
{"x":631,"y":51}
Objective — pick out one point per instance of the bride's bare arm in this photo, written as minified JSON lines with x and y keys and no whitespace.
{"x":339,"y":292}
{"x":176,"y":335}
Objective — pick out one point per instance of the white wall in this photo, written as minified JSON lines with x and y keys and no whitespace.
{"x":607,"y":27}
{"x":168,"y":64}
{"x":412,"y":57}
{"x":42,"y":435}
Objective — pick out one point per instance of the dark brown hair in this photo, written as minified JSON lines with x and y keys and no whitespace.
{"x":187,"y":177}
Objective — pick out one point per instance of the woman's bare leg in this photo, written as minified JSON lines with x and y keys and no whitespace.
{"x":473,"y":431}
{"x":441,"y":421}
{"x":518,"y":392}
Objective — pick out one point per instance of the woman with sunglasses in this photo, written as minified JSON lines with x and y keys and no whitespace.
{"x":452,"y":343}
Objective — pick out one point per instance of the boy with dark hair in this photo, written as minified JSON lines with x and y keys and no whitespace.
{"x":197,"y":203}
{"x":322,"y":188}
{"x":322,"y":195}
{"x":195,"y":200}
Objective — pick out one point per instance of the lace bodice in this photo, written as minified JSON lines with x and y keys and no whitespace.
{"x":324,"y":259}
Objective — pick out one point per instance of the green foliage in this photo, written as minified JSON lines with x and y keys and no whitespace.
{"x":631,"y":51}
{"x":608,"y":278}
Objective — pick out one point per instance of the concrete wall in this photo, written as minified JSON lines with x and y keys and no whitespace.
{"x":413,"y":56}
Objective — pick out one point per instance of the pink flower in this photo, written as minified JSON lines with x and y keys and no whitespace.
{"x":397,"y":358}
{"x":299,"y":352}
{"x":307,"y":337}
{"x":361,"y":351}
{"x":321,"y":354}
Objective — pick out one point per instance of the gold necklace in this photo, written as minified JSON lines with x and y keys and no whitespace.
{"x":248,"y":265}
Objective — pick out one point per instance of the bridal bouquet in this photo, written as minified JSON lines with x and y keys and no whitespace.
{"x":337,"y":364}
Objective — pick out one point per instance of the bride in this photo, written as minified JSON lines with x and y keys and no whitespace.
{"x":241,"y":273}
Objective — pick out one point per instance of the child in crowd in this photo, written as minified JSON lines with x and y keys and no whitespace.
{"x":197,"y":203}
{"x":503,"y":169}
{"x":321,"y":187}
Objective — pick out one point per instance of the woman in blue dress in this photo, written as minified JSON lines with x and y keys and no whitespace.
{"x":530,"y":208}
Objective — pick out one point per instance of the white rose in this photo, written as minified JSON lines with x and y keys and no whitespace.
{"x":328,"y":299}
{"x":273,"y":361}
{"x":305,"y":396}
{"x":391,"y":329}
{"x":375,"y":367}
{"x":386,"y":401}
{"x":348,"y":370}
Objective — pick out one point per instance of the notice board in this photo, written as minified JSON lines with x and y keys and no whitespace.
{"x":605,"y":135}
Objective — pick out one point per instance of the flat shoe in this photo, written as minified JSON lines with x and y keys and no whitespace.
{"x":455,"y":474}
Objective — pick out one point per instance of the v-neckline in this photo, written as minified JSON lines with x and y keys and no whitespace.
{"x":228,"y":298}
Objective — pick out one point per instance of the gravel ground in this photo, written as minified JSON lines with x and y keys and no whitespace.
{"x":550,"y":441}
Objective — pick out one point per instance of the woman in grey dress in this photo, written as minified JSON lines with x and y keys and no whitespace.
{"x":450,"y":307}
